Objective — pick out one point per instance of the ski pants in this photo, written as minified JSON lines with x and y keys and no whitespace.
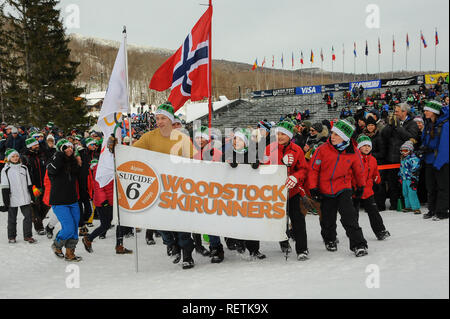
{"x":12,"y":222}
{"x":438,"y":188}
{"x":69,"y":217}
{"x":410,"y":195}
{"x":39,"y":210}
{"x":106,"y":216}
{"x":181,"y":239}
{"x":85,"y":211}
{"x":371,"y":208}
{"x":343,"y":204}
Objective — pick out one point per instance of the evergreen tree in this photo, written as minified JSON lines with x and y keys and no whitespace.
{"x":46,"y":72}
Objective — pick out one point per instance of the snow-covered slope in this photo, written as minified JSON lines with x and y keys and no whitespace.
{"x":413,"y":263}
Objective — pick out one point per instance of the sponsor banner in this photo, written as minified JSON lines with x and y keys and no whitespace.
{"x":375,"y":84}
{"x":335,"y":87}
{"x":164,"y":192}
{"x":265,"y":93}
{"x":308,"y":90}
{"x":282,"y":92}
{"x":399,"y":82}
{"x":435,"y":78}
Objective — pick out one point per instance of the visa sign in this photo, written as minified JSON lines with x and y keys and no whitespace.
{"x":308,"y":90}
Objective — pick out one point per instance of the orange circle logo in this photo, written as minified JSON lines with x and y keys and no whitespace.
{"x":137,"y":185}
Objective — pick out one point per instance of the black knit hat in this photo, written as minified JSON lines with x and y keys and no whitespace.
{"x":318,"y":127}
{"x":371,"y":120}
{"x":327,"y":124}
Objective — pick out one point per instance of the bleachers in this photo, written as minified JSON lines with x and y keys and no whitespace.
{"x":248,"y":112}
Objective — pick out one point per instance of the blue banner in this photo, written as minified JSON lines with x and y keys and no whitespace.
{"x":375,"y":84}
{"x":308,"y":90}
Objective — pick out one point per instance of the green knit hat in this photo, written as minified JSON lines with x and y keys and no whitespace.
{"x":90,"y":141}
{"x":167,"y":110}
{"x":31,"y":142}
{"x":9,"y":153}
{"x":94,"y":163}
{"x":286,"y":128}
{"x":243,"y":135}
{"x":364,"y":140}
{"x":177,"y":120}
{"x":61,"y":143}
{"x":433,"y":106}
{"x":203,"y":132}
{"x":50,"y":124}
{"x":344,"y":129}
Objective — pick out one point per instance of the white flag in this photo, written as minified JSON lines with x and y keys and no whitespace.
{"x":115,"y":103}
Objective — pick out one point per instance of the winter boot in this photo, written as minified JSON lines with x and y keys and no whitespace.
{"x":57,"y":248}
{"x":49,"y":232}
{"x":440,"y":216}
{"x":360,"y":251}
{"x":176,"y":254}
{"x":331,"y":246}
{"x":257,"y":255}
{"x":303,"y":256}
{"x":12,"y":241}
{"x":83,"y":231}
{"x":87,"y":244}
{"x":120,"y":250}
{"x":383,"y":235}
{"x":188,"y":261}
{"x":285,"y":247}
{"x":240,"y":247}
{"x":407,"y":210}
{"x":30,"y":240}
{"x":150,"y":242}
{"x":41,"y":232}
{"x":202,"y":251}
{"x":428,"y":215}
{"x":71,"y":257}
{"x":217,"y":255}
{"x":417,"y":212}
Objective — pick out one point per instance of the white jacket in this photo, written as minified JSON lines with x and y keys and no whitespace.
{"x":17,"y":179}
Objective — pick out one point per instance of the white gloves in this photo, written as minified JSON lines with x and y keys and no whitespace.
{"x":288,"y":160}
{"x":291,"y":182}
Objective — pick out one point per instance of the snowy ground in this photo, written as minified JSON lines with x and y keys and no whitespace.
{"x":413,"y":263}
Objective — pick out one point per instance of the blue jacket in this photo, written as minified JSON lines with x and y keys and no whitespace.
{"x":439,"y":144}
{"x":409,"y":168}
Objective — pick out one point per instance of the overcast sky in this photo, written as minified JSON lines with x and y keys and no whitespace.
{"x":244,"y":30}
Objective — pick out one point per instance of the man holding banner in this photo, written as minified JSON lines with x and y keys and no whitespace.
{"x":169,"y":141}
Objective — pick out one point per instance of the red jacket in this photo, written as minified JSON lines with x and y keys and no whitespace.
{"x":332,"y":170}
{"x":208,"y":154}
{"x":275,"y":153}
{"x":370,"y":174}
{"x":103,"y":193}
{"x":47,"y":187}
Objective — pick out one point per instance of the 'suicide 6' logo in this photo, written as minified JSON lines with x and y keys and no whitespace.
{"x":138,"y":186}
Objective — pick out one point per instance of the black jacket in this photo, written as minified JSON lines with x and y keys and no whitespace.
{"x":63,"y":173}
{"x":36,"y":163}
{"x":394,"y":136}
{"x":17,"y":143}
{"x":378,"y":147}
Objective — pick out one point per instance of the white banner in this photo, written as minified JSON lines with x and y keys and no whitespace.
{"x":164,"y":192}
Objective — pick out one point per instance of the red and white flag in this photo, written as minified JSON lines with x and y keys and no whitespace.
{"x":186,"y":72}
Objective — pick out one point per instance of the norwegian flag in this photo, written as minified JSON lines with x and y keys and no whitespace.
{"x":186,"y":72}
{"x":436,"y":38}
{"x":423,"y":40}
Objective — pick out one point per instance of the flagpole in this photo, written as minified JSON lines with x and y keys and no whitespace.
{"x":435,"y":50}
{"x":406,"y":67}
{"x":420,"y":54}
{"x":393,"y":48}
{"x":210,"y":74}
{"x":131,"y":142}
{"x":343,"y":62}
